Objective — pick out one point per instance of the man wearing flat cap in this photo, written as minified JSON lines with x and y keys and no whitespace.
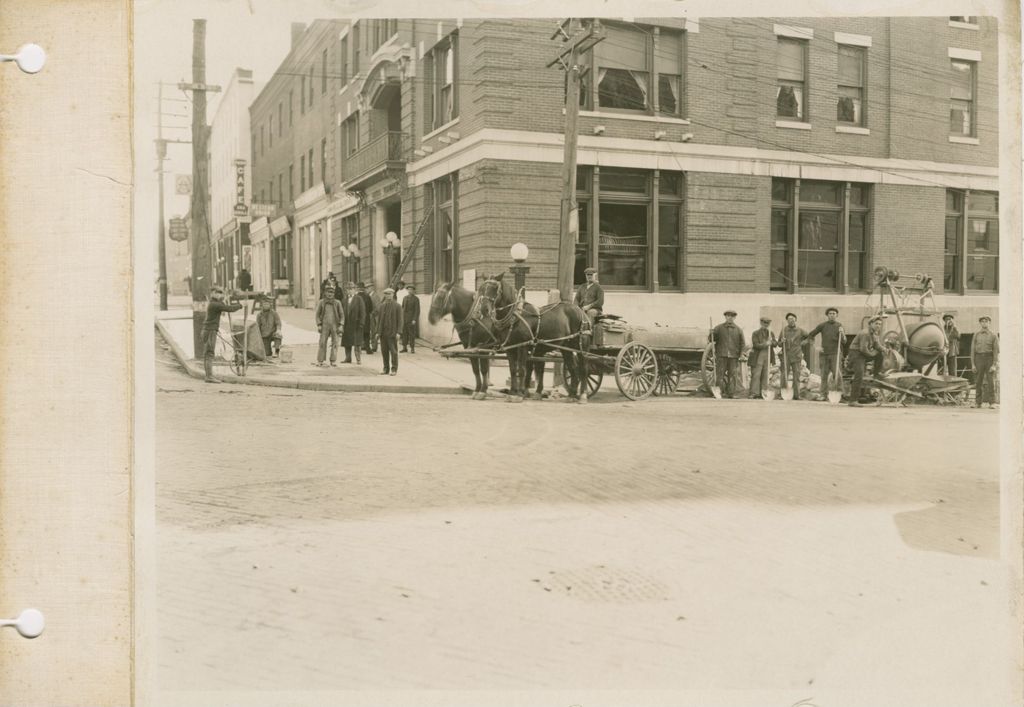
{"x":355,"y":324}
{"x":984,"y":358}
{"x":590,"y":295}
{"x":410,"y":319}
{"x":390,"y":322}
{"x":865,"y":347}
{"x":761,"y":343}
{"x":729,"y":346}
{"x":953,"y":339}
{"x":831,"y":346}
{"x":792,"y":339}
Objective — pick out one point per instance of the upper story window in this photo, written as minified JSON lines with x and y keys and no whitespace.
{"x":270,"y":131}
{"x":344,"y":60}
{"x":790,"y":97}
{"x":355,"y":48}
{"x":964,"y":19}
{"x":311,"y":76}
{"x":961,"y":98}
{"x":280,"y":119}
{"x":851,"y":100}
{"x":350,"y":135}
{"x":323,"y":73}
{"x":302,"y":97}
{"x":441,"y":72}
{"x":291,"y":108}
{"x":381,"y":31}
{"x":639,"y":68}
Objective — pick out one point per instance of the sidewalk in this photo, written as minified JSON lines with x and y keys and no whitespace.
{"x":422,"y":372}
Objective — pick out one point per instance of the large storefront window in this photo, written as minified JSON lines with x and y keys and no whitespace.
{"x":444,"y":193}
{"x":971,"y":241}
{"x":350,"y":237}
{"x":831,"y":238}
{"x":282,"y":247}
{"x":630,"y":211}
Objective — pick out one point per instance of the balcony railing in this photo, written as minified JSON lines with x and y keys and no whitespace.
{"x":374,"y":157}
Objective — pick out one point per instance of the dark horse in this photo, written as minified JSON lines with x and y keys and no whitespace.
{"x":458,"y":301}
{"x":559,"y":327}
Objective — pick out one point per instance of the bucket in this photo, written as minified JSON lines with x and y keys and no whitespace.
{"x":286,"y":355}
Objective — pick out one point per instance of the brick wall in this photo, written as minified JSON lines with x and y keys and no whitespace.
{"x":908,"y":230}
{"x":727,"y":231}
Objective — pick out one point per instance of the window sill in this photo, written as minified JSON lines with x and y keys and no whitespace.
{"x":633,"y":116}
{"x":438,"y":131}
{"x":852,"y":130}
{"x":792,"y":124}
{"x":964,"y":25}
{"x":964,"y":140}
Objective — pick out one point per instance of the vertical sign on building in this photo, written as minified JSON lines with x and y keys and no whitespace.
{"x":241,"y":209}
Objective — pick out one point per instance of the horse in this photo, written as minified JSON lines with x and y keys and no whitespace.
{"x":512,"y":324}
{"x":560,"y":327}
{"x":457,"y":301}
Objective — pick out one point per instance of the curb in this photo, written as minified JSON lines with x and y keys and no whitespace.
{"x":195,"y":371}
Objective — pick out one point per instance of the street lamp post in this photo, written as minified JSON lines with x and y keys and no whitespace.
{"x":519,"y":269}
{"x":351,"y":252}
{"x":390,"y":243}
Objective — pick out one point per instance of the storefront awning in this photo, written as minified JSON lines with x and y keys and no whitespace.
{"x":280,"y":226}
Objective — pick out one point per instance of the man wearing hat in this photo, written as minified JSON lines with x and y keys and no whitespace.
{"x":761,"y":343}
{"x":390,"y":322}
{"x":792,"y":338}
{"x":211,"y":325}
{"x":410,"y":319}
{"x":729,"y":346}
{"x":831,"y":346}
{"x":269,"y":323}
{"x":590,"y":295}
{"x":984,"y":358}
{"x":371,"y":302}
{"x":330,"y":319}
{"x":355,"y":323}
{"x":953,"y":338}
{"x":866,"y":346}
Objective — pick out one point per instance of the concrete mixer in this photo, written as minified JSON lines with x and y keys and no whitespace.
{"x":921,"y":343}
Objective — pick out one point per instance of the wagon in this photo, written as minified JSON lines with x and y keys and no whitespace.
{"x":647,"y":360}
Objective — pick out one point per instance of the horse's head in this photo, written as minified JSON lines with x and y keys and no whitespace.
{"x":440,"y":303}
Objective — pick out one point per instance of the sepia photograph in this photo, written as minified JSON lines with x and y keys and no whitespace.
{"x":640,"y":354}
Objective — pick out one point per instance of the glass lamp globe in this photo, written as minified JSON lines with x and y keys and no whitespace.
{"x":519,"y":252}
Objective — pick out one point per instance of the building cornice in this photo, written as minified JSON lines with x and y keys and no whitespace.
{"x":525,"y":146}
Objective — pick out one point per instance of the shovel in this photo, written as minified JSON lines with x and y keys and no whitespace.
{"x":715,"y":390}
{"x":834,"y":396}
{"x":787,"y":392}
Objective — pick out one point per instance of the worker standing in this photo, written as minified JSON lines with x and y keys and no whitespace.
{"x":866,"y":346}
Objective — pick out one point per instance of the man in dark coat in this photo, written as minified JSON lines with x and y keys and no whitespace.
{"x":390,"y":320}
{"x":410,"y":320}
{"x":590,"y":296}
{"x":866,"y":346}
{"x":792,"y":339}
{"x":984,"y":358}
{"x":211,"y":325}
{"x":370,"y":303}
{"x":245,"y":281}
{"x":831,"y":347}
{"x":953,"y":338}
{"x":761,"y":343}
{"x":729,"y":346}
{"x":355,"y":322}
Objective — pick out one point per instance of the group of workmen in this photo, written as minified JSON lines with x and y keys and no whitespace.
{"x":354,"y":318}
{"x":731,"y":349}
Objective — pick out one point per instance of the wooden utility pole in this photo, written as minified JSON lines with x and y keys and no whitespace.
{"x":199,"y":233}
{"x":578,"y":43}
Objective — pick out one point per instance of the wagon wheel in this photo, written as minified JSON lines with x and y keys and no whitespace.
{"x":593,"y":381}
{"x":707,"y":367}
{"x":668,"y":376}
{"x":636,"y":371}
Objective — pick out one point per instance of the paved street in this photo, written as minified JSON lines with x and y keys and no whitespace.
{"x":334,"y":541}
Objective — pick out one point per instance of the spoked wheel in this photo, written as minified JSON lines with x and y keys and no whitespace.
{"x":594,"y":379}
{"x":636,"y":371}
{"x":707,"y":366}
{"x":668,"y":376}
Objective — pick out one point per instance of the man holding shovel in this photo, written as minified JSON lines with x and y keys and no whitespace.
{"x":792,"y":338}
{"x":831,"y":332}
{"x":761,"y":343}
{"x":866,"y":346}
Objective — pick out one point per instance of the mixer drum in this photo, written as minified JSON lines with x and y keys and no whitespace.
{"x":927,"y":343}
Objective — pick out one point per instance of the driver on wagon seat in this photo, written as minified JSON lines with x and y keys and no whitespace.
{"x":590,"y":296}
